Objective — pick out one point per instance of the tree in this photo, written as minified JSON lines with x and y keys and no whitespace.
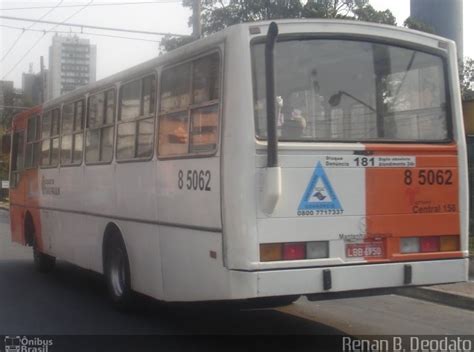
{"x":219,"y":14}
{"x":4,"y":162}
{"x":466,"y":78}
{"x":413,"y":23}
{"x":466,"y":68}
{"x":369,"y":14}
{"x":12,"y":98}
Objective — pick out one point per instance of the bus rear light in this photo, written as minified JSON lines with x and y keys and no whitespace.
{"x":316,"y":250}
{"x":449,"y":243}
{"x":429,"y":244}
{"x":409,"y":245}
{"x":294,"y":251}
{"x":270,"y":252}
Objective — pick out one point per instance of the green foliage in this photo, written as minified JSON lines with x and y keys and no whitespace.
{"x":413,"y":23}
{"x":369,"y":14}
{"x":466,"y":78}
{"x":219,"y":14}
{"x":169,"y":43}
{"x":12,"y":98}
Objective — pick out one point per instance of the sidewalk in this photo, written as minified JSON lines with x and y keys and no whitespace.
{"x":459,"y":295}
{"x":4,"y":205}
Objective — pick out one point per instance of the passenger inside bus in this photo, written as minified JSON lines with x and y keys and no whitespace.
{"x":293,"y":128}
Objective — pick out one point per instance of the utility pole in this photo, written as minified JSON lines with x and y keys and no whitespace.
{"x":197,"y":31}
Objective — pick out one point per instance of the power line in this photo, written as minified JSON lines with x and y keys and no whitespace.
{"x":94,"y":5}
{"x":74,"y":14}
{"x":23,"y":57}
{"x":94,"y":27}
{"x":39,"y":39}
{"x":47,"y":13}
{"x":21,"y":34}
{"x":13,"y":45}
{"x":86,"y":33}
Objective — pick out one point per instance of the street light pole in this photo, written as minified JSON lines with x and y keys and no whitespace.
{"x":197,"y":30}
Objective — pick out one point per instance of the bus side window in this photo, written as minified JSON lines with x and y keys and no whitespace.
{"x":188,"y":121}
{"x":45,"y":133}
{"x":136,"y":119}
{"x":174,"y":114}
{"x":50,"y":138}
{"x":17,"y":157}
{"x":71,"y":133}
{"x":66,"y":133}
{"x":100,"y":127}
{"x":33,"y":137}
{"x":204,"y":118}
{"x":55,"y":138}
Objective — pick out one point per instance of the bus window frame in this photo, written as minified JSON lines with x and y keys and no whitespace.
{"x":51,"y":137}
{"x":190,"y":107}
{"x":36,"y":140}
{"x":113,"y":124}
{"x":17,"y":173}
{"x":136,"y":120}
{"x":440,"y":52}
{"x":74,"y":132}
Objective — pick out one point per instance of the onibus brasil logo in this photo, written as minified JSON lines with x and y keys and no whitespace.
{"x":27,"y":344}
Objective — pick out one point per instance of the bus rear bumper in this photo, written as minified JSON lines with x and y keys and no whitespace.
{"x":359,"y":277}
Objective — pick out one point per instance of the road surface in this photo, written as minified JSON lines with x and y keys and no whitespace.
{"x":73,"y":301}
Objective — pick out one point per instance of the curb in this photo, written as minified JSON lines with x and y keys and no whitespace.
{"x":436,"y":296}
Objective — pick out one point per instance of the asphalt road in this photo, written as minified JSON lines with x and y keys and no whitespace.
{"x":72,"y":301}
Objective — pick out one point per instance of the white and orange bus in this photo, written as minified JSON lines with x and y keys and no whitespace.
{"x":178,"y":179}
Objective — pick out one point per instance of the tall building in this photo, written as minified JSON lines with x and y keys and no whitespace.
{"x":72,"y":63}
{"x":6,"y":90}
{"x":445,"y":16}
{"x":31,"y":86}
{"x":34,"y":87}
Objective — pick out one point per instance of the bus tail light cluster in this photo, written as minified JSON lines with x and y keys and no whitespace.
{"x":270,"y":252}
{"x":429,"y":244}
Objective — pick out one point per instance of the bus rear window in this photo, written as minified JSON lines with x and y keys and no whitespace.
{"x":347,"y":90}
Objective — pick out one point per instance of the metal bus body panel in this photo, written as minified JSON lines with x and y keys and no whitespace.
{"x":298,"y":160}
{"x":24,"y":196}
{"x":185,"y":246}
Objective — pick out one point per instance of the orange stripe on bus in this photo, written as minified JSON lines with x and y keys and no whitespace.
{"x":407,"y":202}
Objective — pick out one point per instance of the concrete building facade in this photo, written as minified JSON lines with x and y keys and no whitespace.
{"x":6,"y":87}
{"x":34,"y":87}
{"x":72,"y":64}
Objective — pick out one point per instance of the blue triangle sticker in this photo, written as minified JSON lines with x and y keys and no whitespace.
{"x":319,"y":194}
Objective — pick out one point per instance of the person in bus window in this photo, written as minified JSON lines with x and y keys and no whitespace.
{"x":294,"y":127}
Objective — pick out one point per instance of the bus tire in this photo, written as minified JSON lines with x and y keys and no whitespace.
{"x":43,"y":263}
{"x":117,"y":273}
{"x":273,"y":302}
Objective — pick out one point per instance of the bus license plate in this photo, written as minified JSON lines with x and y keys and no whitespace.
{"x":365,"y":249}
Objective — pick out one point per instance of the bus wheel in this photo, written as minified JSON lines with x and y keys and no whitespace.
{"x":272,"y":302}
{"x":43,"y":263}
{"x":117,"y":273}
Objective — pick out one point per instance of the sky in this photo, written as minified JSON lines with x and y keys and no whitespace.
{"x":18,"y":49}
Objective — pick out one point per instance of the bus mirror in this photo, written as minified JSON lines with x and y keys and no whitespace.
{"x":6,"y":142}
